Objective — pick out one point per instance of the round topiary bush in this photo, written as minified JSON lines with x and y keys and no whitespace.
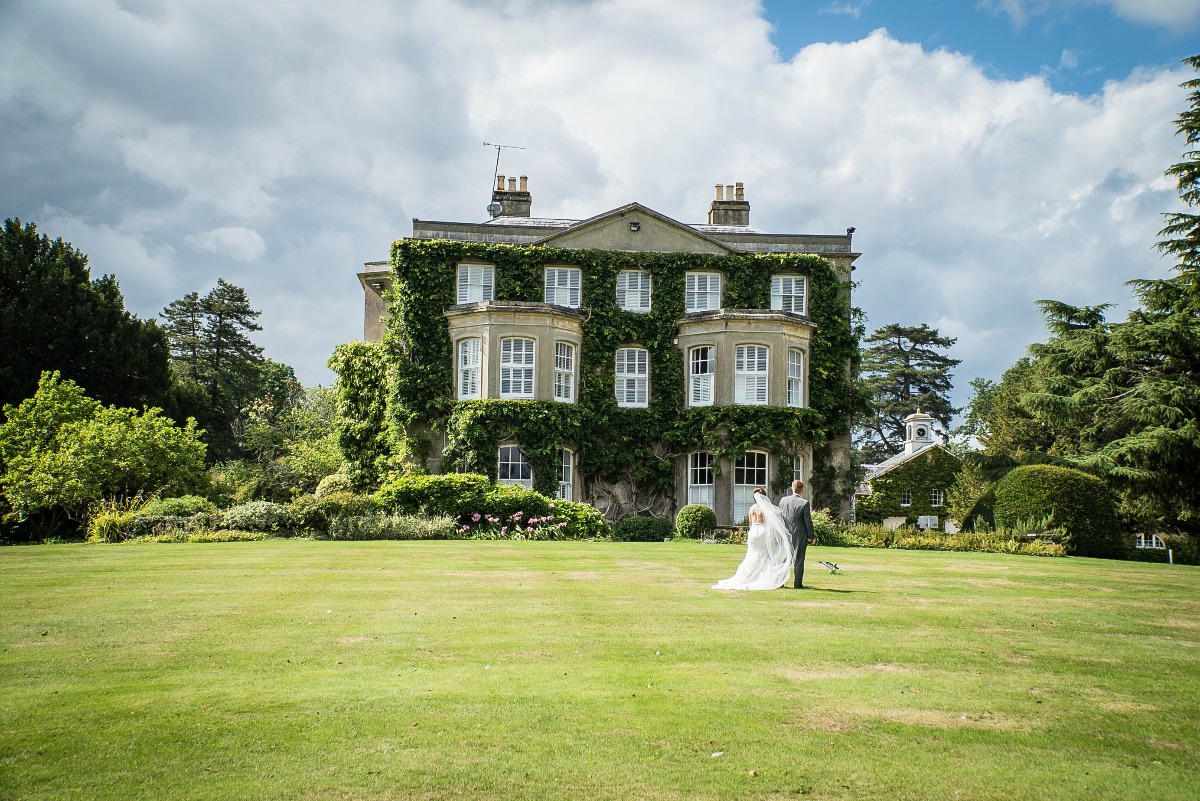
{"x":695,"y":520}
{"x":338,"y":482}
{"x":1075,"y":501}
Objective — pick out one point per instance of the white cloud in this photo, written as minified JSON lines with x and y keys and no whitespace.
{"x":173,"y":142}
{"x":236,"y":242}
{"x":1166,"y":13}
{"x":853,"y":10}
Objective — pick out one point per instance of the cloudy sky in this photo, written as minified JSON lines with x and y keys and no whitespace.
{"x":989,"y":153}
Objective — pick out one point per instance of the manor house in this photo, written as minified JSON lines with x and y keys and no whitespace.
{"x":665,"y":363}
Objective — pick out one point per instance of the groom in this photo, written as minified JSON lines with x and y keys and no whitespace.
{"x":797,"y":516}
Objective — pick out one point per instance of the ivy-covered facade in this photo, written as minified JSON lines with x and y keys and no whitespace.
{"x":912,"y":487}
{"x":629,"y":360}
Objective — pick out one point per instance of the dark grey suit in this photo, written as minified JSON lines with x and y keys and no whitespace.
{"x":797,"y":516}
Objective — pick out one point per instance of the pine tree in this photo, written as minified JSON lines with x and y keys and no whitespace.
{"x":902,"y":370}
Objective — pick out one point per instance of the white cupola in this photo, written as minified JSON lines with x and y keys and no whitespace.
{"x":918,"y":432}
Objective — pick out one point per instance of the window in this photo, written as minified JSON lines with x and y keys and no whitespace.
{"x":1150,"y":541}
{"x":795,"y":378}
{"x":564,"y":371}
{"x":633,"y":290}
{"x":927,"y":522}
{"x":700,"y":479}
{"x":935,"y":498}
{"x":514,"y":468}
{"x":749,"y":471}
{"x":632,"y":384}
{"x":750,"y":375}
{"x":702,"y":291}
{"x":797,"y":469}
{"x":789,"y":293}
{"x":516,"y":368}
{"x":566,"y":473}
{"x":906,"y":497}
{"x":562,"y":286}
{"x":468,"y":368}
{"x":475,"y":282}
{"x":700,"y":376}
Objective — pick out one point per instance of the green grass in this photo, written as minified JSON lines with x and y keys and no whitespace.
{"x":495,"y":670}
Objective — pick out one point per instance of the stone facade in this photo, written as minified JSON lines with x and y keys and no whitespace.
{"x":777,"y":341}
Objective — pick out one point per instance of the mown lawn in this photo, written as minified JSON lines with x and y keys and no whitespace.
{"x":484,"y":670}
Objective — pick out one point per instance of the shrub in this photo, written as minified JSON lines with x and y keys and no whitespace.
{"x":643,"y":529}
{"x":453,"y":494}
{"x":695,"y":521}
{"x":258,"y":516}
{"x":1076,"y":502}
{"x":379,"y":526}
{"x":314,"y":514}
{"x":183,"y":506}
{"x":583,"y":520}
{"x":338,"y":482}
{"x":823,"y":525}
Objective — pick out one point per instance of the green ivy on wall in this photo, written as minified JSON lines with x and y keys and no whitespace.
{"x":613,"y":442}
{"x":934,"y":468}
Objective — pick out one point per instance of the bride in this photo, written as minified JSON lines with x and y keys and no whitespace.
{"x":769,"y":554}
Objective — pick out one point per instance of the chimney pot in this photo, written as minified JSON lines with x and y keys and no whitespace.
{"x":499,"y":183}
{"x":718,"y":189}
{"x":739,"y":191}
{"x":524,"y":183}
{"x":729,"y":191}
{"x":512,"y":184}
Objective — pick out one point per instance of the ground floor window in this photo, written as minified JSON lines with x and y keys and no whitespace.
{"x":749,"y":471}
{"x":566,"y":472}
{"x":700,"y":479}
{"x":906,"y":497}
{"x":935,"y":498}
{"x":514,"y":468}
{"x":1150,"y":541}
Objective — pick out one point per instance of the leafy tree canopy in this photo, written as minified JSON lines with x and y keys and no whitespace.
{"x":61,"y":451}
{"x":54,"y":316}
{"x":903,"y":368}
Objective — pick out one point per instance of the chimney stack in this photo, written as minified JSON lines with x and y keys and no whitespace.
{"x":729,"y":206}
{"x":513,"y":202}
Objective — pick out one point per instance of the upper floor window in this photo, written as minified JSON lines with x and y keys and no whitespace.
{"x":564,"y":371}
{"x":475,"y":282}
{"x":633,"y":290}
{"x":468,"y":368}
{"x":790,"y":293}
{"x":632,"y":377}
{"x":906,"y":497}
{"x":702,"y":291}
{"x":566,"y":472}
{"x":935,"y":498}
{"x":795,"y":378}
{"x":513,"y":468}
{"x":562,"y":286}
{"x":797,"y":469}
{"x":700,"y":376}
{"x":750,"y":375}
{"x":516,"y":368}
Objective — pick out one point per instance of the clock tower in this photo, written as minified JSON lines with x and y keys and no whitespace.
{"x":918,"y":432}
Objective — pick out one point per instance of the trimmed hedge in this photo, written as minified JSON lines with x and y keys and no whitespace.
{"x":473,"y":499}
{"x":643,"y":529}
{"x":695,"y":521}
{"x":1076,"y":502}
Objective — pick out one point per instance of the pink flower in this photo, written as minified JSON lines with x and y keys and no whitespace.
{"x":503,"y":530}
{"x":562,"y":525}
{"x":475,"y":517}
{"x":551,"y":506}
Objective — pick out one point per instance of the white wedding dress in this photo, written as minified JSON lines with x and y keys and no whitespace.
{"x":769,"y":553}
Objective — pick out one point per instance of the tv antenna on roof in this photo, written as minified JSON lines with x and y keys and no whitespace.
{"x":494,"y":209}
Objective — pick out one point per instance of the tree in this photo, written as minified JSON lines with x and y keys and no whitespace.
{"x":54,"y":316}
{"x":1122,"y":400}
{"x":61,"y":451}
{"x":218,"y":369}
{"x":903,"y":370}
